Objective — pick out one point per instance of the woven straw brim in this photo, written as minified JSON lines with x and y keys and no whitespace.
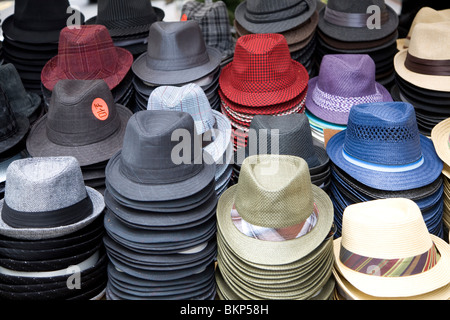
{"x":48,"y":233}
{"x":440,"y":136}
{"x":276,"y":252}
{"x":426,"y":282}
{"x":430,"y":82}
{"x":426,"y":174}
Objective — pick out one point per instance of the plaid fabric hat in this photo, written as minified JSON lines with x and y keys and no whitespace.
{"x":262,"y":72}
{"x":214,"y":22}
{"x":87,"y":53}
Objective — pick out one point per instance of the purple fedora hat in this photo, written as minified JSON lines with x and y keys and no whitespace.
{"x":344,"y":80}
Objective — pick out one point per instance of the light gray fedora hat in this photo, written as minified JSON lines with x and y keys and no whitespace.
{"x":47,"y":198}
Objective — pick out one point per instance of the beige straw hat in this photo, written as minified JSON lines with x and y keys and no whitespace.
{"x":274,"y":195}
{"x":440,"y":135}
{"x":424,"y":15}
{"x":424,"y":62}
{"x":386,"y":250}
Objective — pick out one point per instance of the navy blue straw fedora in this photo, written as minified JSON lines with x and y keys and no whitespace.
{"x":383,"y":149}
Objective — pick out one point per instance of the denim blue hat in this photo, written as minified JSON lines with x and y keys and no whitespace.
{"x":383,"y":149}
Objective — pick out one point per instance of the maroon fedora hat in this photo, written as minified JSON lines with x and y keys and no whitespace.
{"x":87,"y":53}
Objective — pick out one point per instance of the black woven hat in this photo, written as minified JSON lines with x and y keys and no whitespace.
{"x":124,"y":18}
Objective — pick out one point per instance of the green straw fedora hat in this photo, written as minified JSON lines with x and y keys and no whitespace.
{"x":287,"y":216}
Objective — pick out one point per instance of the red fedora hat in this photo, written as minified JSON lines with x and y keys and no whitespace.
{"x":262,"y":72}
{"x":87,"y":53}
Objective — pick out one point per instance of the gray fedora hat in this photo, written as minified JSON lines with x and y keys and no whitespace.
{"x":146,"y":170}
{"x":47,"y":198}
{"x":176,"y":54}
{"x":83,"y":121}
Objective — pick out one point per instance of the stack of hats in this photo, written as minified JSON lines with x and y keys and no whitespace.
{"x":51,"y":233}
{"x":286,"y":135}
{"x":177,"y":55}
{"x":261,"y":79}
{"x":128,"y":22}
{"x":296,"y":20}
{"x":214,"y":21}
{"x":160,"y":219}
{"x":387,"y":253}
{"x":31,"y":35}
{"x":344,"y":80}
{"x":84,"y":122}
{"x":88,"y":53}
{"x":213,"y":126}
{"x":273,"y":243}
{"x":381,"y":155}
{"x":440,"y":136}
{"x":423,"y":77}
{"x":360,"y":27}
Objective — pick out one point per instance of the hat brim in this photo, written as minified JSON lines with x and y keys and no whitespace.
{"x":340,"y":118}
{"x":158,"y":192}
{"x":172,"y":77}
{"x":276,"y":252}
{"x":39,"y":145}
{"x":259,"y":99}
{"x":350,"y":34}
{"x":47,"y":233}
{"x":423,"y":283}
{"x":421,"y":176}
{"x":51,"y":73}
{"x":275,"y":26}
{"x":33,"y":36}
{"x":440,"y":136}
{"x":219,"y":146}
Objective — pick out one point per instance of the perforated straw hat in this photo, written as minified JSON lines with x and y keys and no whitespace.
{"x":266,"y":198}
{"x":386,"y":250}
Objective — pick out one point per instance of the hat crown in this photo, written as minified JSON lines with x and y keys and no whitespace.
{"x":263,"y":59}
{"x":189,"y":98}
{"x":274,"y":191}
{"x":8,"y":120}
{"x":151,"y":142}
{"x":12,"y":85}
{"x":383,"y":133}
{"x":429,"y":15}
{"x":430,"y":41}
{"x":90,"y":46}
{"x":385,"y":229}
{"x":267,"y":6}
{"x":81,"y":112}
{"x":44,"y":184}
{"x":293,"y":133}
{"x":113,"y":9}
{"x":354,"y":6}
{"x":176,"y":45}
{"x":347,"y":75}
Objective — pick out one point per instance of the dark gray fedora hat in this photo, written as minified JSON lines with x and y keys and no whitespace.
{"x":144,"y":170}
{"x":47,"y":198}
{"x":177,"y":53}
{"x":347,"y":20}
{"x":83,"y":121}
{"x":262,"y":16}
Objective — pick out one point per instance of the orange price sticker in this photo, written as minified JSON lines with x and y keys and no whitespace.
{"x":100,"y":109}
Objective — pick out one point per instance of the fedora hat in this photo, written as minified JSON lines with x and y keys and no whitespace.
{"x":262,"y":72}
{"x":38,"y":21}
{"x":191,"y":98}
{"x":46,"y":198}
{"x":383,"y":149}
{"x":424,"y":15}
{"x":177,"y":53}
{"x":144,"y":169}
{"x":87,"y":53}
{"x":347,"y":20}
{"x":386,"y":250}
{"x":440,"y":135}
{"x":260,"y":16}
{"x":83,"y":121}
{"x":266,"y":199}
{"x":424,"y":62}
{"x":125,"y":18}
{"x":344,"y":80}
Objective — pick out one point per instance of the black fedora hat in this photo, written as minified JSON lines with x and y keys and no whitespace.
{"x":38,"y":21}
{"x":124,"y":18}
{"x":144,"y":169}
{"x":83,"y":121}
